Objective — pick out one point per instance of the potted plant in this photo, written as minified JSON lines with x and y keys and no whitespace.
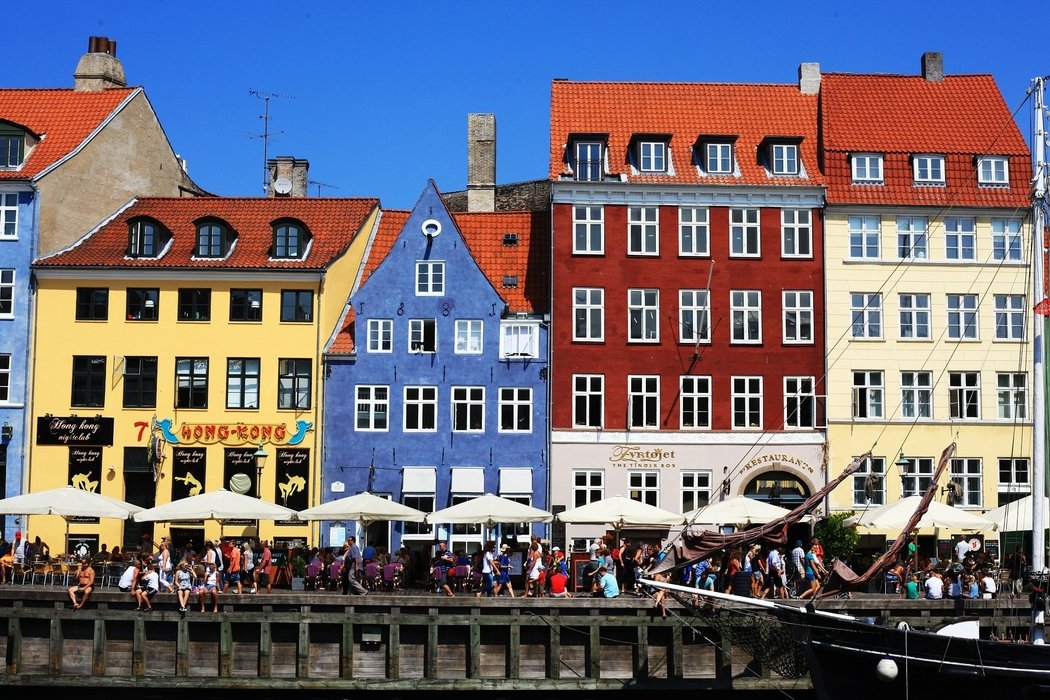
{"x":298,"y":572}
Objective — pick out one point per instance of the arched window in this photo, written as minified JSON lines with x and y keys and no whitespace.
{"x":212,"y":240}
{"x":779,"y":488}
{"x":289,"y":240}
{"x":144,"y":239}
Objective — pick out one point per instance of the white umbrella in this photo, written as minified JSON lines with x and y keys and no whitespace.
{"x":619,"y":511}
{"x":737,"y":510}
{"x":216,"y":505}
{"x":1016,"y":515}
{"x":894,"y":516}
{"x":490,"y":510}
{"x":365,"y":508}
{"x":69,"y":502}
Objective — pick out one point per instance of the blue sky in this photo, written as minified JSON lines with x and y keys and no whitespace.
{"x":378,"y":92}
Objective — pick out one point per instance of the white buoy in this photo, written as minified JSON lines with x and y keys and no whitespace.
{"x":886,"y":670}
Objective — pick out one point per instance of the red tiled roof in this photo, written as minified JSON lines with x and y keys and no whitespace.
{"x":62,"y":117}
{"x":961,"y":117}
{"x":332,"y":223}
{"x":686,"y":111}
{"x":483,"y":233}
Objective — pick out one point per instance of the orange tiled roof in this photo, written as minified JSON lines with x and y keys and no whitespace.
{"x":483,"y":233}
{"x":685,"y":111}
{"x":62,"y":117}
{"x":332,"y":223}
{"x":961,"y":117}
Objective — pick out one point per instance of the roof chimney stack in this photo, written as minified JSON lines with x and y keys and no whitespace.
{"x":99,"y":68}
{"x":933,"y":66}
{"x":481,"y":162}
{"x":809,"y":78}
{"x":289,"y":177}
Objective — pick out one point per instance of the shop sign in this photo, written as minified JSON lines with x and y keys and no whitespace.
{"x":635,"y":456}
{"x":233,"y":433}
{"x":783,"y":459}
{"x":72,"y":430}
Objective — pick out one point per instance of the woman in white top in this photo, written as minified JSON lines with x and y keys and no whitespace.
{"x":248,"y":565}
{"x":988,"y":588}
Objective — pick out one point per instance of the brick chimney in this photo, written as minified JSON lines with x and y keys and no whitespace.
{"x":99,"y":68}
{"x":809,"y":78}
{"x":289,"y":177}
{"x":933,"y":66}
{"x":481,"y":162}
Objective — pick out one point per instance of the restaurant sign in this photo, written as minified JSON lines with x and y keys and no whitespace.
{"x":72,"y":430}
{"x":233,"y":434}
{"x":634,"y":456}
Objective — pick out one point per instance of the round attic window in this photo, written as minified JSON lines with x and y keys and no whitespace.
{"x":431,"y":228}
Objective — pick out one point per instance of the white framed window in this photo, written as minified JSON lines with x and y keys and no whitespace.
{"x":960,"y":238}
{"x":643,"y":401}
{"x":7,"y":293}
{"x":744,"y":233}
{"x":373,"y":407}
{"x":993,"y":170}
{"x":912,"y":239}
{"x":928,"y":169}
{"x":643,"y":230}
{"x":964,"y":395}
{"x":652,"y":156}
{"x":718,"y":158}
{"x":5,"y":378}
{"x":866,"y":312}
{"x":589,"y":161}
{"x":785,"y":158}
{"x":515,"y":409}
{"x":644,"y":487}
{"x":694,"y":233}
{"x":1006,"y":239}
{"x":588,"y":312}
{"x":423,"y":502}
{"x":1010,"y":315}
{"x":867,"y":168}
{"x":800,"y":403}
{"x":864,"y":235}
{"x":968,"y":473}
{"x":868,"y":396}
{"x":468,"y":337}
{"x":380,"y":335}
{"x":420,"y":409}
{"x":8,"y":215}
{"x":917,"y":476}
{"x":468,"y":409}
{"x":874,"y":467}
{"x":588,"y":400}
{"x":747,"y":403}
{"x":1011,"y":395}
{"x":519,"y":339}
{"x":422,"y":335}
{"x":695,"y":489}
{"x":746,"y":311}
{"x":796,"y":233}
{"x":798,"y":317}
{"x":695,"y":402}
{"x":430,"y":278}
{"x":1014,"y":475}
{"x":588,"y":225}
{"x":914,"y":313}
{"x":694,"y":309}
{"x":588,"y":486}
{"x":643,"y":310}
{"x":916,"y":395}
{"x":962,"y":316}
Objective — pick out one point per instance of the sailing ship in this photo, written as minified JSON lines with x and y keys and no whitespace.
{"x":846,"y":656}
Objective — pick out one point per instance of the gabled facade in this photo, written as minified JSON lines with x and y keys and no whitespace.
{"x":436,"y":383}
{"x":687,"y":349}
{"x":199,"y":326}
{"x":68,"y":158}
{"x":928,"y":272}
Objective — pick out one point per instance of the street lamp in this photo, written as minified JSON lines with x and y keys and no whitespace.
{"x":903,"y":464}
{"x":260,"y":462}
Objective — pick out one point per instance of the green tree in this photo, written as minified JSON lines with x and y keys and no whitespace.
{"x":838,"y":540}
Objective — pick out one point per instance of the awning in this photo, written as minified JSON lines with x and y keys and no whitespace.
{"x":419,"y":480}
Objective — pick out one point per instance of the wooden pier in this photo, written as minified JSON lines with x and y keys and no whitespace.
{"x":403,"y":641}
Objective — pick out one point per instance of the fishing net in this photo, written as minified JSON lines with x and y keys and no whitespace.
{"x":762,"y":636}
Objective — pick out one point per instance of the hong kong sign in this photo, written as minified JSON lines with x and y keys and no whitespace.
{"x":71,"y":430}
{"x":233,"y":433}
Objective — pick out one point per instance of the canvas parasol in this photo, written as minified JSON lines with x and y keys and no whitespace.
{"x":738,"y":510}
{"x":1016,"y":515}
{"x":490,"y":510}
{"x":68,"y":502}
{"x":894,"y":516}
{"x":216,"y":505}
{"x":366,"y":508}
{"x":618,"y":512}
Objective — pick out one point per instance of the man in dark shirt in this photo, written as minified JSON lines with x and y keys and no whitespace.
{"x":444,"y":561}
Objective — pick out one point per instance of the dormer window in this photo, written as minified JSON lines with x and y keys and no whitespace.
{"x":588,"y":159}
{"x":145,"y":238}
{"x":289,"y":240}
{"x":867,"y":168}
{"x":12,"y":147}
{"x":716,"y":155}
{"x":993,"y":171}
{"x":928,"y":169}
{"x":213,"y":240}
{"x":781,"y":156}
{"x":648,"y":152}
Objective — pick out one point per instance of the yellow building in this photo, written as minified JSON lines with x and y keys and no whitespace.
{"x":927,"y":279}
{"x":178,"y":338}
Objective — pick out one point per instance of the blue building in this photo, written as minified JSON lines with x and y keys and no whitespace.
{"x":436,"y":388}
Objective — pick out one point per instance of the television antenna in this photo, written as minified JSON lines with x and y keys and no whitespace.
{"x":319,"y":185}
{"x":266,"y":134}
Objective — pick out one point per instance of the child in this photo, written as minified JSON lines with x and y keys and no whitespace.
{"x":210,"y":587}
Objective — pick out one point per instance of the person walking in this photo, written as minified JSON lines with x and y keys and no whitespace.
{"x":503,"y":572}
{"x":489,"y":567}
{"x":815,"y":572}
